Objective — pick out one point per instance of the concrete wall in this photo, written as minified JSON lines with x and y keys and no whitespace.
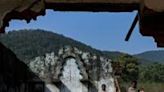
{"x":72,"y":70}
{"x":71,"y":77}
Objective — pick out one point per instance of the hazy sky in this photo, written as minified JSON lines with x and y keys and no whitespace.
{"x":103,"y":30}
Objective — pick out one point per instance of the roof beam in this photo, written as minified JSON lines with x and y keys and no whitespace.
{"x":93,"y":5}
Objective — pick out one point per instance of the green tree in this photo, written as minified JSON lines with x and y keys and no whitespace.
{"x":129,"y":66}
{"x":152,"y":73}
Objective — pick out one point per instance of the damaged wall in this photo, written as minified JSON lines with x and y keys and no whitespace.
{"x":87,"y":70}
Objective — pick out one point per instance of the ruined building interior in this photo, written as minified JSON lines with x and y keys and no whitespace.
{"x":88,"y":78}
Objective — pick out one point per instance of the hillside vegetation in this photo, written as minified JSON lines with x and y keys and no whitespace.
{"x":27,"y":44}
{"x":157,"y":56}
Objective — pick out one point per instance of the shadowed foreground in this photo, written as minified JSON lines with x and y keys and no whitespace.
{"x":15,"y":76}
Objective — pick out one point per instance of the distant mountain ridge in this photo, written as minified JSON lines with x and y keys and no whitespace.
{"x":154,"y":55}
{"x":28,"y":44}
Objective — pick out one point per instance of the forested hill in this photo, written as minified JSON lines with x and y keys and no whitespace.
{"x":157,"y":56}
{"x":28,"y":44}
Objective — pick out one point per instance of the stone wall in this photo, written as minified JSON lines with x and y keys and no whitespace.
{"x":72,"y":69}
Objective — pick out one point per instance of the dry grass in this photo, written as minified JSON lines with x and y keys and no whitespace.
{"x":148,"y":87}
{"x":152,"y":87}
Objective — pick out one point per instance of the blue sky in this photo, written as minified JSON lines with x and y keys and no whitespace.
{"x":102,"y":30}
